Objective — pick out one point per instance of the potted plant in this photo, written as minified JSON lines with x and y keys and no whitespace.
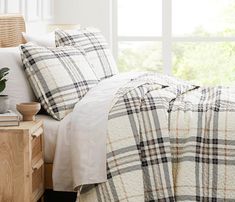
{"x":4,"y":100}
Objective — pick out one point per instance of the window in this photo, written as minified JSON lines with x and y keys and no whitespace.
{"x":190,"y":39}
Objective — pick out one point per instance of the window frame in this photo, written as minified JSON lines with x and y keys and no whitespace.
{"x":166,"y":38}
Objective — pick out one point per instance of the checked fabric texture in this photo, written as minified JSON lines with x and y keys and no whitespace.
{"x":169,"y":141}
{"x":60,"y":77}
{"x":95,"y":46}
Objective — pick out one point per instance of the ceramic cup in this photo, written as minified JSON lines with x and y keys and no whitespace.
{"x":28,"y":110}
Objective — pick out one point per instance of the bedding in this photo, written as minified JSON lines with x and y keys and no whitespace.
{"x":166,"y":140}
{"x":18,"y":87}
{"x":95,"y":46}
{"x":60,"y":77}
{"x":50,"y":133}
{"x":46,"y":40}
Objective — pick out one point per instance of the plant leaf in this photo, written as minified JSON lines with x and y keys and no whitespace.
{"x":3,"y":72}
{"x":4,"y":69}
{"x":2,"y":85}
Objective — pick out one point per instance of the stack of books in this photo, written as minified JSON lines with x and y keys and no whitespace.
{"x":9,"y":119}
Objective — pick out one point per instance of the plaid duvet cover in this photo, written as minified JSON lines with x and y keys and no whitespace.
{"x":169,"y":141}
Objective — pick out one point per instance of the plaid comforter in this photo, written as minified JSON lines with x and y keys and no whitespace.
{"x":169,"y":141}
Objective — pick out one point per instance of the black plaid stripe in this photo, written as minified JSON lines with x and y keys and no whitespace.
{"x":152,"y":152}
{"x":95,"y":46}
{"x":60,"y":77}
{"x":155,"y":151}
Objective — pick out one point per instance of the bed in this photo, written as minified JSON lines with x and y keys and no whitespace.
{"x":151,"y":137}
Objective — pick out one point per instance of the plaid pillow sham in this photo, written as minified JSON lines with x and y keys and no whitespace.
{"x":95,"y":46}
{"x":60,"y":77}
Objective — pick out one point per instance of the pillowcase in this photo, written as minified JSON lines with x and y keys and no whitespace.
{"x":47,"y":40}
{"x":17,"y":87}
{"x":60,"y":77}
{"x":95,"y":46}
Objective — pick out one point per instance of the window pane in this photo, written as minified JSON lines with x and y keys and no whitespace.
{"x":205,"y":63}
{"x":140,"y":56}
{"x":139,"y":17}
{"x":204,"y":17}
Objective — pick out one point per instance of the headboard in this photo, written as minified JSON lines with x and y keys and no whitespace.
{"x":11,"y":27}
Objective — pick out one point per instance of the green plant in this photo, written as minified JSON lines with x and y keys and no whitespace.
{"x":3,"y":72}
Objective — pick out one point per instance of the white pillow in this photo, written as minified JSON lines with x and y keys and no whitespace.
{"x":17,"y":87}
{"x":46,"y":40}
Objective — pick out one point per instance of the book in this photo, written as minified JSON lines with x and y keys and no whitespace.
{"x":9,"y":123}
{"x":9,"y":116}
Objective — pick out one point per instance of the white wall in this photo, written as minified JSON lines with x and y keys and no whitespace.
{"x":37,"y":13}
{"x":95,"y":13}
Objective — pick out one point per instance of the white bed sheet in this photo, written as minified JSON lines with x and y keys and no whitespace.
{"x":81,"y":143}
{"x":50,"y":136}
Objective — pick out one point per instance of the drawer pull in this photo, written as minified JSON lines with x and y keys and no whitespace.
{"x":37,"y":133}
{"x":38,"y":165}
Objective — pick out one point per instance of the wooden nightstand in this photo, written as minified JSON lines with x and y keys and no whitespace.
{"x":21,"y":162}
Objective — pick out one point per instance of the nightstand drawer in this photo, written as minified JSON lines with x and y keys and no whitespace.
{"x":37,"y":146}
{"x":23,"y":166}
{"x":37,"y":180}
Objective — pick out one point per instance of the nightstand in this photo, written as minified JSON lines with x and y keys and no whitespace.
{"x":21,"y":162}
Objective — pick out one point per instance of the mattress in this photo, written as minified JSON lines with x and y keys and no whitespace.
{"x":50,"y":136}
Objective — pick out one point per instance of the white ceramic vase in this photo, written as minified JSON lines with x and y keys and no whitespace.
{"x":4,"y":103}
